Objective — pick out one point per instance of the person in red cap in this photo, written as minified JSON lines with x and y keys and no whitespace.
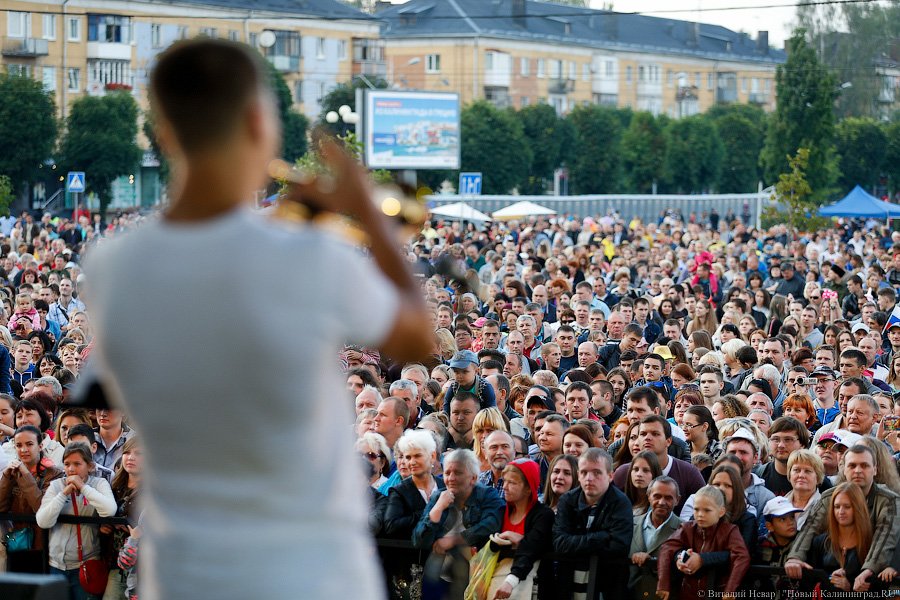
{"x":527,"y":532}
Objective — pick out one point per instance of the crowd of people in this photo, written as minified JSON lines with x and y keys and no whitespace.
{"x":680,"y":400}
{"x":56,"y":458}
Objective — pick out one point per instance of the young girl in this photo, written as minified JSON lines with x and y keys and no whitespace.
{"x":25,"y":310}
{"x":644,"y":469}
{"x":686,"y":550}
{"x":93,"y":496}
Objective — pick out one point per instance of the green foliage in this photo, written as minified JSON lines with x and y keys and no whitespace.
{"x":344,"y":94}
{"x":860,"y":144}
{"x":28,"y":128}
{"x":793,"y":189}
{"x":7,"y":197}
{"x":742,"y":141}
{"x":293,"y":124}
{"x":150,"y":133}
{"x":695,"y":154}
{"x":804,"y":118}
{"x":101,"y":140}
{"x":644,"y":153}
{"x":892,"y":154}
{"x":493,"y":142}
{"x":546,"y":135}
{"x":597,"y":163}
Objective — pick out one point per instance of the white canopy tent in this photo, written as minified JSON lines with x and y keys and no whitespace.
{"x":521,"y":209}
{"x":460,"y":211}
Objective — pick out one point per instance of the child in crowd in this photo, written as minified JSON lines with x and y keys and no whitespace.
{"x":25,"y":309}
{"x":128,"y":559}
{"x":691,"y":548}
{"x":781,"y":526}
{"x":22,"y":370}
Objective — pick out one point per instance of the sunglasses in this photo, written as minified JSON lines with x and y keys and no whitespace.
{"x":373,"y":455}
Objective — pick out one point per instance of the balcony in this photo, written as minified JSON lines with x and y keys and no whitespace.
{"x":759,"y":98}
{"x":368,"y":57}
{"x":499,"y":97}
{"x":25,"y":48}
{"x":285,"y":64}
{"x":561,"y":86}
{"x":108,"y":51}
{"x":726,"y":95}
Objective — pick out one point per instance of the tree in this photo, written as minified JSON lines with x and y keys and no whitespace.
{"x":860,"y":144}
{"x":150,"y":133}
{"x":793,"y":188}
{"x":494,"y":143}
{"x":892,"y":154}
{"x":345,"y":94}
{"x":101,"y":140}
{"x":644,"y":153}
{"x":7,"y":197}
{"x":694,"y":155}
{"x":28,"y":128}
{"x":742,"y":141}
{"x":293,"y":123}
{"x":803,"y":118}
{"x":546,"y":134}
{"x":597,"y":151}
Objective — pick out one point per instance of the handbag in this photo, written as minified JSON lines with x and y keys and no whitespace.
{"x":19,"y":539}
{"x":93,"y":574}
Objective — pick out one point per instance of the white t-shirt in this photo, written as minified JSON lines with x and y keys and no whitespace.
{"x":221,"y":340}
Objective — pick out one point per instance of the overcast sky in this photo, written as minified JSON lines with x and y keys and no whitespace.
{"x":777,"y":21}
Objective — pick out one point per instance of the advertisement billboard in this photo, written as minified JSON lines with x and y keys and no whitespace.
{"x":411,"y":130}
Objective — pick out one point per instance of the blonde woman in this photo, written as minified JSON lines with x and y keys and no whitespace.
{"x":445,"y":344}
{"x":487,"y":421}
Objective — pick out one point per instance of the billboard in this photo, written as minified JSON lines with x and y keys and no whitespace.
{"x":411,"y":130}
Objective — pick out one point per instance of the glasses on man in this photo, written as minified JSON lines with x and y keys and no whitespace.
{"x":776,"y":440}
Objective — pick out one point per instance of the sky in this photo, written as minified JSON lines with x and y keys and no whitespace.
{"x":777,"y":21}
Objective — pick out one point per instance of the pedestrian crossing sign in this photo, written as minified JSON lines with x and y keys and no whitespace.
{"x":75,"y":181}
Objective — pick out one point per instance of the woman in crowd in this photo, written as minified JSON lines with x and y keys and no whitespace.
{"x":562,"y":476}
{"x":577,"y":439}
{"x":801,"y":408}
{"x":22,"y":486}
{"x":728,"y":480}
{"x":441,"y":374}
{"x":526,"y":534}
{"x":364,"y":421}
{"x":125,"y":488}
{"x":487,"y":421}
{"x":7,"y":418}
{"x":729,"y":407}
{"x":407,"y":500}
{"x":684,"y":399}
{"x":29,"y":412}
{"x":699,"y":338}
{"x":843,"y":548}
{"x":704,"y":319}
{"x":373,"y":448}
{"x":700,"y":429}
{"x":66,"y":420}
{"x":629,"y":447}
{"x":47,"y":364}
{"x":806,"y":473}
{"x":644,"y":469}
{"x":92,"y":496}
{"x":682,"y":374}
{"x":619,"y":430}
{"x":620,"y":381}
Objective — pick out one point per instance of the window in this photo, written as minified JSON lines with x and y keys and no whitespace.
{"x":48,"y":77}
{"x":155,"y":36}
{"x":298,"y":91}
{"x":488,"y":61}
{"x":573,"y":70}
{"x":670,"y":77}
{"x":234,"y":35}
{"x":210,"y":32}
{"x":610,"y":69}
{"x":287,"y":43}
{"x":542,"y":100}
{"x":555,"y":69}
{"x":106,"y":72}
{"x":74,"y":79}
{"x":640,"y":73}
{"x":754,"y":85}
{"x":541,"y":68}
{"x":254,"y":40}
{"x":697,"y":80}
{"x":586,"y":72}
{"x":342,"y":50}
{"x":112,"y":29}
{"x":73,"y":29}
{"x":743,"y":84}
{"x":524,"y":101}
{"x":767,"y":85}
{"x":19,"y":70}
{"x":320,"y":48}
{"x":524,"y":66}
{"x":182,"y":32}
{"x":48,"y":25}
{"x":18,"y":24}
{"x":628,"y":74}
{"x":433,"y":63}
{"x":323,"y":90}
{"x":709,"y":81}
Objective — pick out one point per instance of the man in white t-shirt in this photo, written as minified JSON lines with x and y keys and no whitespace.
{"x":223,"y":394}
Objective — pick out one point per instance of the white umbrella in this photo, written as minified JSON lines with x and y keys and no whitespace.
{"x":459,"y":210}
{"x":521,"y":209}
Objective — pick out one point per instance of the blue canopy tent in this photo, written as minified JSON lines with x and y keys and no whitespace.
{"x":861,"y":204}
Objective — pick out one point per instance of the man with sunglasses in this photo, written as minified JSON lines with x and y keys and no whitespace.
{"x":823,"y":394}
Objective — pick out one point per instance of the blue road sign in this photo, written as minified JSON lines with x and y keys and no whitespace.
{"x":470,"y":184}
{"x":75,"y":181}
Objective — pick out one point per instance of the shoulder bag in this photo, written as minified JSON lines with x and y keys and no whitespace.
{"x":92,"y":574}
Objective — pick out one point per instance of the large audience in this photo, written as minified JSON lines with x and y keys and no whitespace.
{"x":657,"y":409}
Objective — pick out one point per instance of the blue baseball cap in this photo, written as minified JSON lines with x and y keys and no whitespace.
{"x":463,"y":359}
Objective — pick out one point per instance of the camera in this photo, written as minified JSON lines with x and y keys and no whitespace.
{"x":683,"y":556}
{"x":809,"y":381}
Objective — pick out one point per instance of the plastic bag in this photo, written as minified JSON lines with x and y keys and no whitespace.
{"x":481,"y":570}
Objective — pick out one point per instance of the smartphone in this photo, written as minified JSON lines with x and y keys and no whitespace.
{"x":890,"y":423}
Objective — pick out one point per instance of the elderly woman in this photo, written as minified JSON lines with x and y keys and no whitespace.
{"x":374,"y":448}
{"x":806,"y":473}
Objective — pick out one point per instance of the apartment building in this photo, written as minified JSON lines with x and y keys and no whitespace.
{"x":518,"y":52}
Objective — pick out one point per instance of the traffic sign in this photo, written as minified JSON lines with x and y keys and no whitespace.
{"x":470,"y":184}
{"x":75,"y":181}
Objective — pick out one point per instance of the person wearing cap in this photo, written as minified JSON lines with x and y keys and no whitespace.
{"x":780,"y":518}
{"x":465,"y":368}
{"x":823,"y":394}
{"x":537,"y":400}
{"x":830,"y":449}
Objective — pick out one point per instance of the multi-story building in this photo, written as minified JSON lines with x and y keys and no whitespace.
{"x":520,"y":52}
{"x":91,"y":46}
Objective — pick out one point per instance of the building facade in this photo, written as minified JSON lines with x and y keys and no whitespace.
{"x":518,"y":52}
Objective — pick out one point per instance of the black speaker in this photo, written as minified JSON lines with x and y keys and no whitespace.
{"x":24,"y":586}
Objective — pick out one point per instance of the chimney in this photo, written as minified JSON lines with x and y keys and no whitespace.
{"x":519,"y":12}
{"x":762,"y":42}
